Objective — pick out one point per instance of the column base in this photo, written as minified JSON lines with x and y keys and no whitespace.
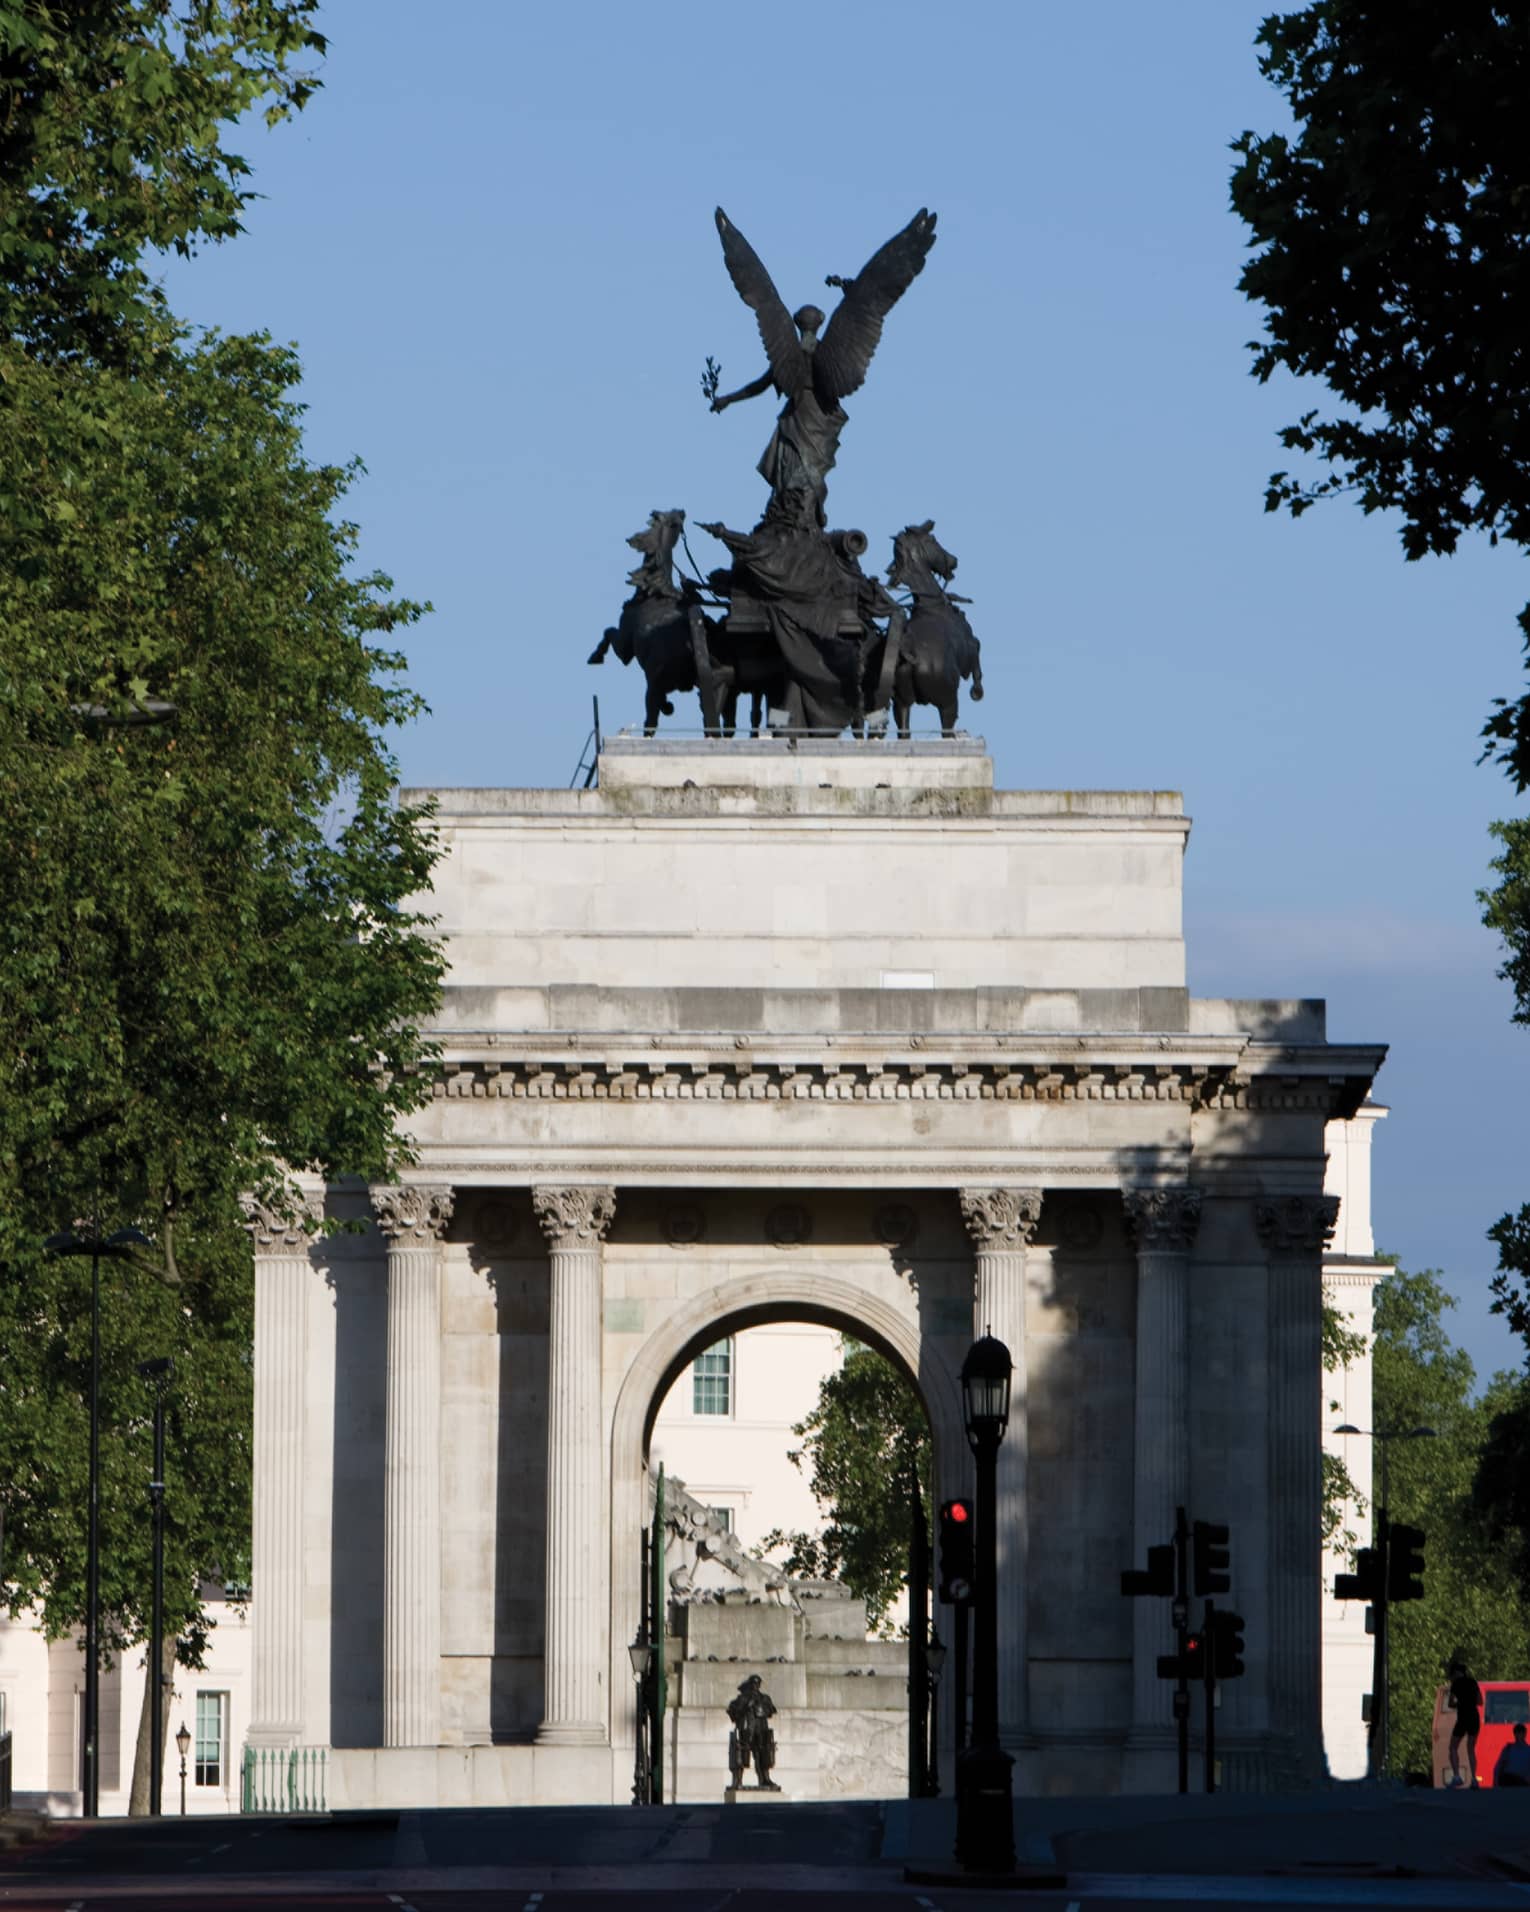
{"x":570,"y":1733}
{"x":1150,"y":1761}
{"x":267,"y":1736}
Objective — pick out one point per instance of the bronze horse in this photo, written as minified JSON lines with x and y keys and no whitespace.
{"x":937,"y":647}
{"x":655,"y":627}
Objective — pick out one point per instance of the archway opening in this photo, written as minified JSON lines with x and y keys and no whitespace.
{"x":726,"y":1395}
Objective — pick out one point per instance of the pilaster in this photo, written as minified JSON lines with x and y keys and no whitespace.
{"x":575,"y":1702}
{"x":412,"y":1219}
{"x":1294,"y":1230}
{"x":1163,"y":1224}
{"x":282,"y":1272}
{"x":1001,"y":1223}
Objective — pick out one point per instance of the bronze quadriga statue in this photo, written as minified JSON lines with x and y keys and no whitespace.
{"x":804,"y":631}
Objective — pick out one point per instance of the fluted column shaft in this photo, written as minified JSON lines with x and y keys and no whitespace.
{"x":282,"y":1275}
{"x":412,"y":1219}
{"x":1001,"y":1223}
{"x":1294,"y":1230}
{"x":574,"y":1709}
{"x":1163,"y":1222}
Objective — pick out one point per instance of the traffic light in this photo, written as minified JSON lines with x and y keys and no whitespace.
{"x":956,"y":1569}
{"x":1209,"y":1545}
{"x":1159,"y":1577}
{"x":1365,"y":1582}
{"x":1405,"y":1563}
{"x":1191,"y":1665}
{"x":1226,"y":1644}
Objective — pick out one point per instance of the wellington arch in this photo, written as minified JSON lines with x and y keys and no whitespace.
{"x":757,"y":1030}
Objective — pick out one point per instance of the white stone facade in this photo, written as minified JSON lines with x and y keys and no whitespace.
{"x":42,"y":1688}
{"x":689,"y":1087}
{"x":1350,"y":1274}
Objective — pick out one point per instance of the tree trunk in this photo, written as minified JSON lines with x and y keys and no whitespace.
{"x":138,"y":1798}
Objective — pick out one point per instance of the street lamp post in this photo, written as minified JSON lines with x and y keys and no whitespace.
{"x":934,"y":1666}
{"x":985,"y":1828}
{"x":1379,"y":1739}
{"x":160,"y":1373}
{"x":183,"y":1744}
{"x":640,"y":1653}
{"x":116,"y":1247}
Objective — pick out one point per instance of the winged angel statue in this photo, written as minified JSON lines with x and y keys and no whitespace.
{"x":811,"y":373}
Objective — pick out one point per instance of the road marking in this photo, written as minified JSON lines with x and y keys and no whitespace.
{"x":394,"y":1899}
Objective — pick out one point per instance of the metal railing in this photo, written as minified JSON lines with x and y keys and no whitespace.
{"x":284,"y":1779}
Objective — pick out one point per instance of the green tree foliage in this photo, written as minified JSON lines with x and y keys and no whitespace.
{"x":1506,"y":909}
{"x":201,"y":978}
{"x":1472,"y":1605}
{"x":110,"y":146}
{"x":1392,"y":262}
{"x":1391,"y":237}
{"x":862,"y":1442}
{"x":210,"y":969}
{"x":1341,"y":1345}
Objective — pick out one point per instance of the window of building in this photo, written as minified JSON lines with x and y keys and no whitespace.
{"x":712,"y":1380}
{"x":212,"y":1729}
{"x":723,"y":1516}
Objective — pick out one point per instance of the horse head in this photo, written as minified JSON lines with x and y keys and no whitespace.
{"x":654,"y":576}
{"x":920,"y":560}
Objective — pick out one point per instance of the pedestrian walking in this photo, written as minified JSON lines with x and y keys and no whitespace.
{"x":1466,"y":1698}
{"x":1513,"y":1768}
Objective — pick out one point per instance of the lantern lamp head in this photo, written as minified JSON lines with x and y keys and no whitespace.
{"x":985,"y":1390}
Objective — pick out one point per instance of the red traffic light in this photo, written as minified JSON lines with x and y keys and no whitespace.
{"x":957,"y":1512}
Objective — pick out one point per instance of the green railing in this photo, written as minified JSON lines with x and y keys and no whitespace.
{"x":284,"y":1779}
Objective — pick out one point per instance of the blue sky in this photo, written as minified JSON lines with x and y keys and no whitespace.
{"x":491,"y":236}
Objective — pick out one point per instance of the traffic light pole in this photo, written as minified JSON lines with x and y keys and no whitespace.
{"x":1210,"y":1630}
{"x":1378,"y":1739}
{"x":959,"y":1691}
{"x":918,"y":1637}
{"x":1182,"y":1635}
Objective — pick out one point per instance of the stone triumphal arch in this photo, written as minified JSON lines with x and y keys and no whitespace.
{"x":831,"y":1030}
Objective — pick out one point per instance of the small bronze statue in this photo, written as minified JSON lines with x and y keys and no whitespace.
{"x":751,"y":1737}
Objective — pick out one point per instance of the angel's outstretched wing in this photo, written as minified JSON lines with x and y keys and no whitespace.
{"x":788,"y":361}
{"x":839,"y":364}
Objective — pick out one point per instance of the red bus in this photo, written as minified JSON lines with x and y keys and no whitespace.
{"x":1503,"y":1702}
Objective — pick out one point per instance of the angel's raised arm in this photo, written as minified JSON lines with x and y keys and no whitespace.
{"x":788,"y":362}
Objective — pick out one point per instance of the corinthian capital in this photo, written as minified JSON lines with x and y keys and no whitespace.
{"x":413,"y":1213}
{"x":1163,"y":1220}
{"x":569,"y":1216}
{"x":1296,"y":1224}
{"x":1000,"y":1218}
{"x":281,"y":1231}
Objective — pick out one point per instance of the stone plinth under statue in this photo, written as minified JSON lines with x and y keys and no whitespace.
{"x":837,"y":1032}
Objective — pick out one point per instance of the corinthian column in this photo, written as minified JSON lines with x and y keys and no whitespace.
{"x":282,"y":1274}
{"x":575,"y":1709}
{"x":1001,"y":1222}
{"x":1294,"y":1230}
{"x":412,"y":1219}
{"x":1163,"y":1222}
